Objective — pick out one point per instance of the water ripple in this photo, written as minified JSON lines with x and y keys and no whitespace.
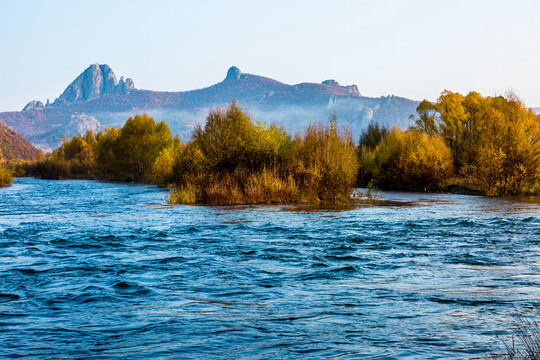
{"x":106,"y":270}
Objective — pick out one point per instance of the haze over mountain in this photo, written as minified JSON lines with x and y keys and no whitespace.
{"x":96,"y":100}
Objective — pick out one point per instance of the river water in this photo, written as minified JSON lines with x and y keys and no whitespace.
{"x":99,"y":270}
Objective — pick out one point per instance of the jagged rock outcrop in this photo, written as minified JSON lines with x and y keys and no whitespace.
{"x":350,"y":89}
{"x":331,"y":83}
{"x":33,"y":105}
{"x":233,"y":73}
{"x":124,"y":87}
{"x":96,"y":81}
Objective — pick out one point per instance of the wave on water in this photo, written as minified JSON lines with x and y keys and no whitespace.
{"x":108,"y":270}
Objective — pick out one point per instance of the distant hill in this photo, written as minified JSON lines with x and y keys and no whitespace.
{"x":536,"y":110}
{"x":96,"y":100}
{"x":13,"y":146}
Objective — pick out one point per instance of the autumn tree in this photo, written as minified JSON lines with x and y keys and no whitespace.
{"x":5,"y":176}
{"x":409,"y":160}
{"x":493,"y":140}
{"x":508,"y":152}
{"x":107,"y":165}
{"x":325,"y":162}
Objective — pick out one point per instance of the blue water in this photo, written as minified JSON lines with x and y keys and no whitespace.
{"x":103,"y":270}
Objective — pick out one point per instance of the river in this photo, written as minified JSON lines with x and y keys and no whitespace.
{"x":100,"y":270}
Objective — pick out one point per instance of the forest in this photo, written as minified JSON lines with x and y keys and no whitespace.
{"x":487,"y":144}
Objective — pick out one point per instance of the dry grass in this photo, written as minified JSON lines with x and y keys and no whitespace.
{"x":267,"y":187}
{"x":186,"y":194}
{"x":223,"y":191}
{"x":525,"y":344}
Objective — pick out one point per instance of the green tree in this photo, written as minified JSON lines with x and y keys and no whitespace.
{"x":228,"y":140}
{"x":162,"y":170}
{"x":372,"y":136}
{"x":108,"y":165}
{"x":426,"y":121}
{"x":139,"y":143}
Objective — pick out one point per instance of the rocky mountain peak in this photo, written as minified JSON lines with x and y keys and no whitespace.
{"x":351,"y":89}
{"x":331,"y":83}
{"x":33,"y":105}
{"x":97,"y":80}
{"x":233,"y":73}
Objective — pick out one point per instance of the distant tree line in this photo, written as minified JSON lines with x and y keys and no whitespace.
{"x":491,"y":144}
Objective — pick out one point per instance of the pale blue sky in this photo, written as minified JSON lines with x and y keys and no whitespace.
{"x":413,"y":49}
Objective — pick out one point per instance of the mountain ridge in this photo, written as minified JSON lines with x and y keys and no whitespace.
{"x":96,"y":99}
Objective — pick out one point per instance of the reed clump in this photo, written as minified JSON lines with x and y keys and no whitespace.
{"x":184,"y":194}
{"x":525,"y":344}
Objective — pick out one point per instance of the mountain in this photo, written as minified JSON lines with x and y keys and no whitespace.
{"x":13,"y":146}
{"x":96,"y":100}
{"x":96,"y":81}
{"x":536,"y":110}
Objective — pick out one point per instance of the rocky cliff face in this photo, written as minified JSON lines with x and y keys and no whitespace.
{"x":350,"y":89}
{"x":96,"y":81}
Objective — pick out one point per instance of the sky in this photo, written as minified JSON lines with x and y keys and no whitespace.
{"x":414,"y":48}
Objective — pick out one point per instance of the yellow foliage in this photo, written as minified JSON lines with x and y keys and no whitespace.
{"x":508,"y":153}
{"x":410,"y":160}
{"x":162,"y":170}
{"x":185,"y":194}
{"x":5,"y":176}
{"x":494,"y":140}
{"x":235,"y":161}
{"x":268,"y":187}
{"x":325,"y":163}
